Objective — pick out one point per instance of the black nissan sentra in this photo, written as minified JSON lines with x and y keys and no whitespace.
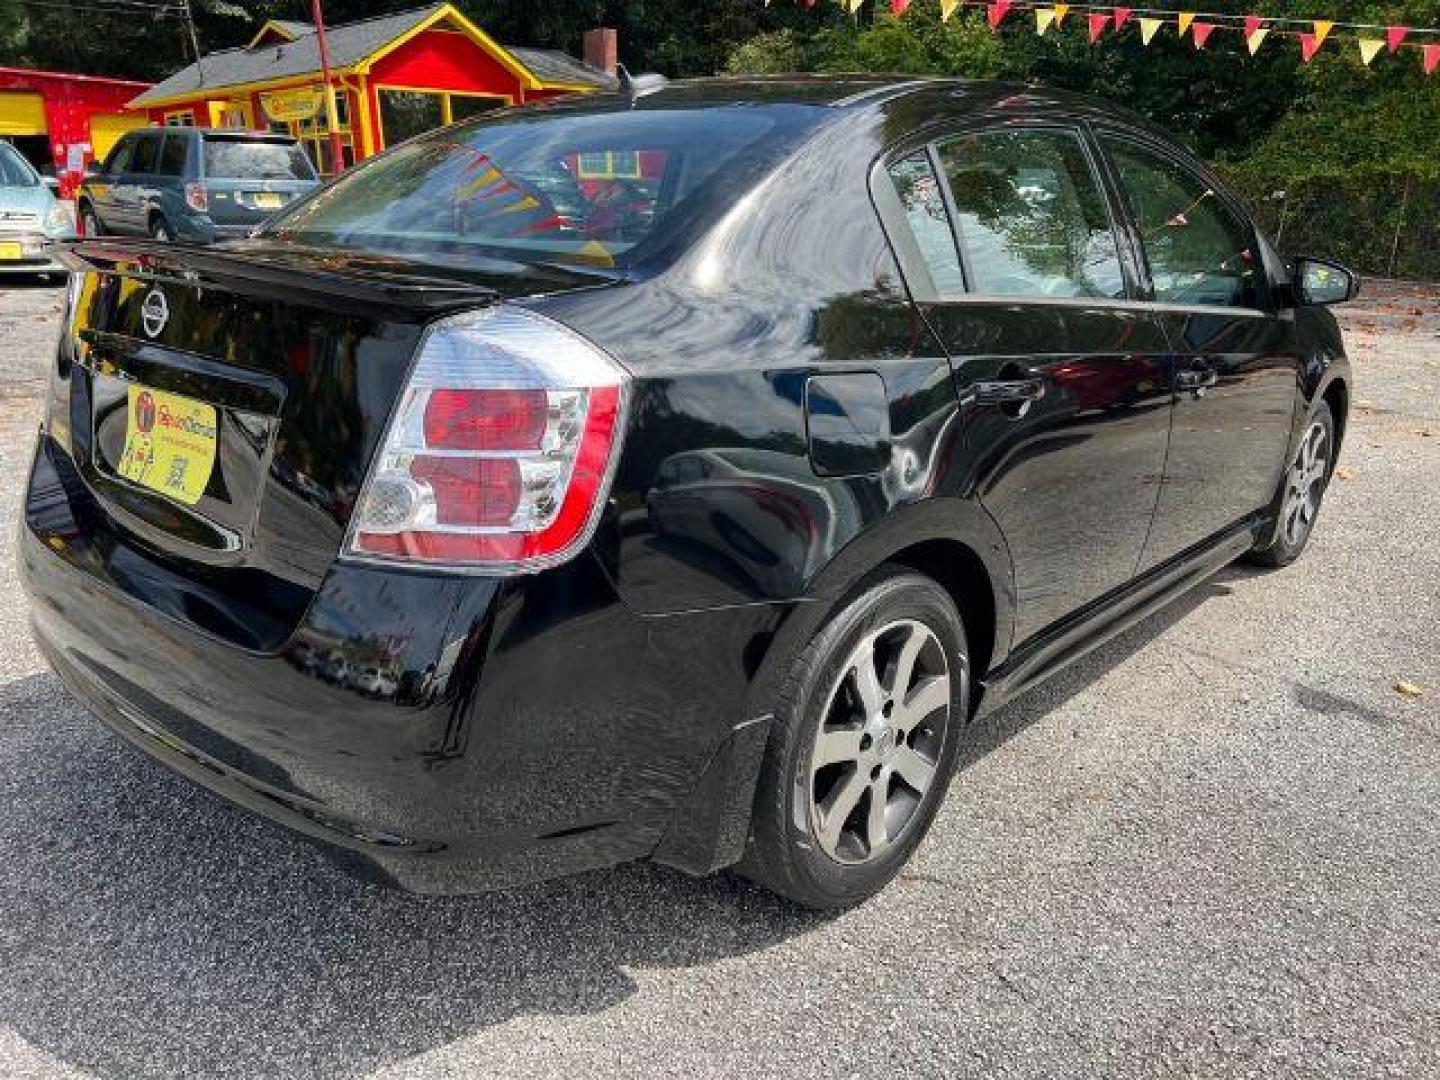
{"x":669,"y":476}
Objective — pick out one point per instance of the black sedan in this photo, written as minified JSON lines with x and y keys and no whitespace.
{"x":668,"y":476}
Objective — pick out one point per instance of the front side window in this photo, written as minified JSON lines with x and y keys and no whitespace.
{"x":1199,"y":250}
{"x":919,"y":190}
{"x":119,"y":160}
{"x":1032,"y":217}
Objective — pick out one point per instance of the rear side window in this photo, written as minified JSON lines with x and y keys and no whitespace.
{"x":1199,"y":250}
{"x":1032,"y":217}
{"x":147,"y":153}
{"x":172,"y":157}
{"x":919,"y":190}
{"x":249,"y":159}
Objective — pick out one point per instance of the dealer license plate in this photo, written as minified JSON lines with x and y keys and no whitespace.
{"x":10,"y":251}
{"x":268,"y":200}
{"x":169,"y":443}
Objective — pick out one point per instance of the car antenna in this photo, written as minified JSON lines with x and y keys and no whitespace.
{"x":634,"y":87}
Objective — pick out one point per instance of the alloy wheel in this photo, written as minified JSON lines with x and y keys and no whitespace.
{"x":1306,"y":484}
{"x":876,"y":751}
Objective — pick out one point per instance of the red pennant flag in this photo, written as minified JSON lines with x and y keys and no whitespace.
{"x":1309,"y":46}
{"x":1432,"y":58}
{"x":1122,"y":16}
{"x":1097,"y":26}
{"x":998,"y":10}
{"x":1252,"y":23}
{"x":1202,"y":30}
{"x":1395,"y":35}
{"x":897,"y":7}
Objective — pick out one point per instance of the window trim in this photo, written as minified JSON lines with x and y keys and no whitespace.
{"x":913,"y":269}
{"x":1198,"y":170}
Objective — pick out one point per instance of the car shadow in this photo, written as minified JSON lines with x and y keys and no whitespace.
{"x":148,"y":928}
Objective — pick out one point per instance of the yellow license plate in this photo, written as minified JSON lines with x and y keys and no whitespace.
{"x":268,"y":200}
{"x":169,"y":443}
{"x":10,"y":250}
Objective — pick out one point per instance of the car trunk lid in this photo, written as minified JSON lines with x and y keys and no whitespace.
{"x":224,"y":405}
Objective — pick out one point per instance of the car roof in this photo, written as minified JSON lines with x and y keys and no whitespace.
{"x":939,"y":97}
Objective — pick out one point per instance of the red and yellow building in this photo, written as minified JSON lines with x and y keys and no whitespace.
{"x":61,"y":121}
{"x":393,"y":76}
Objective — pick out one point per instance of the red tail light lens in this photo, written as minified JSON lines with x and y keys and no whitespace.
{"x":197,"y":197}
{"x":500,"y":451}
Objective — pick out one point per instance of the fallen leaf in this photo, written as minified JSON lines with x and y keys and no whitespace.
{"x":1344,"y":472}
{"x":1409,"y":689}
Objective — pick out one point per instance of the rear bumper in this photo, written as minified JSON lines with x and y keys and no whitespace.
{"x":515,"y":730}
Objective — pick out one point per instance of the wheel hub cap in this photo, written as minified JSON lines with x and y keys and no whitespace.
{"x":878,"y":745}
{"x":1306,"y":484}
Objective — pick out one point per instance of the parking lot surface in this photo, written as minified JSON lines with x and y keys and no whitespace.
{"x":1212,"y":848}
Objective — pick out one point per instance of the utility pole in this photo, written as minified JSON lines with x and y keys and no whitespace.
{"x":332,"y":121}
{"x":194,"y":41}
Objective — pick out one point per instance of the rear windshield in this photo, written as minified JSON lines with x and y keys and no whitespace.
{"x":248,"y":159}
{"x":15,"y":171}
{"x":582,"y":188}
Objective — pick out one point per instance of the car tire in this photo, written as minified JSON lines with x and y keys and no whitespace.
{"x":90,"y":222}
{"x":160,"y":229}
{"x":1302,"y":491}
{"x":817,"y":836}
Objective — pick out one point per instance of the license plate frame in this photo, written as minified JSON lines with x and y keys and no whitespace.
{"x":268,"y":200}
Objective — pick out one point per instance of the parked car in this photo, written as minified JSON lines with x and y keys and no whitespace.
{"x":1039,"y":369}
{"x":194,"y":184}
{"x":30,"y":217}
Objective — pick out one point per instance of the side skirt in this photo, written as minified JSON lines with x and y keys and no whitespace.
{"x":1092,"y":626}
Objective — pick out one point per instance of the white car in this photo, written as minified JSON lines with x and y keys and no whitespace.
{"x":30,"y":217}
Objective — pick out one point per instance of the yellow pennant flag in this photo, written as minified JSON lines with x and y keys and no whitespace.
{"x":1148,"y":28}
{"x":1369,"y":49}
{"x":1186,"y":18}
{"x":1322,"y":30}
{"x":1256,"y":39}
{"x":947,"y":8}
{"x":1061,"y":10}
{"x":854,"y":5}
{"x":1043,"y":18}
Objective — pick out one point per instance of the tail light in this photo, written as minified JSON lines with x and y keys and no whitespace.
{"x":500,"y":451}
{"x":197,"y":198}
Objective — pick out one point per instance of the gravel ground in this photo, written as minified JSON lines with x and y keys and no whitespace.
{"x":1210,"y":849}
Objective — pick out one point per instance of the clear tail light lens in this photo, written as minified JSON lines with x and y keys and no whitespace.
{"x":499,"y":454}
{"x":197,"y":197}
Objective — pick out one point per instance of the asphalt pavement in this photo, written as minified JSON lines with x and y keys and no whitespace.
{"x":1210,"y":849}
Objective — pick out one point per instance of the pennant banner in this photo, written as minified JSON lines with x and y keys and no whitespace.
{"x":1122,"y":16}
{"x":997,"y":12}
{"x":1149,"y":28}
{"x":1394,"y":36}
{"x":1369,"y":49}
{"x":1203,"y":30}
{"x":1322,"y":30}
{"x":1044,"y":18}
{"x":1186,"y":18}
{"x":1097,"y":26}
{"x":1309,"y":46}
{"x":1432,"y":58}
{"x":1061,"y":10}
{"x":947,"y":8}
{"x":1255,"y":39}
{"x":898,"y":7}
{"x":1253,"y":23}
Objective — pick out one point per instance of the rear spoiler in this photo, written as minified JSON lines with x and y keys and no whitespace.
{"x":306,"y":277}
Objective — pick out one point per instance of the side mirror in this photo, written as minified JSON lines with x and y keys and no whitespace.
{"x":1320,"y":281}
{"x":50,"y":182}
{"x":94,"y":168}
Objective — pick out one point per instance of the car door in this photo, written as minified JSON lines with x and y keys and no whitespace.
{"x":1236,"y":360}
{"x":131,"y":187}
{"x":1060,"y":367}
{"x":102,"y":187}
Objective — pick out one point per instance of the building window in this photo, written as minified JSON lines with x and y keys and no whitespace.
{"x":609,"y":165}
{"x":183,"y":118}
{"x":406,"y":113}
